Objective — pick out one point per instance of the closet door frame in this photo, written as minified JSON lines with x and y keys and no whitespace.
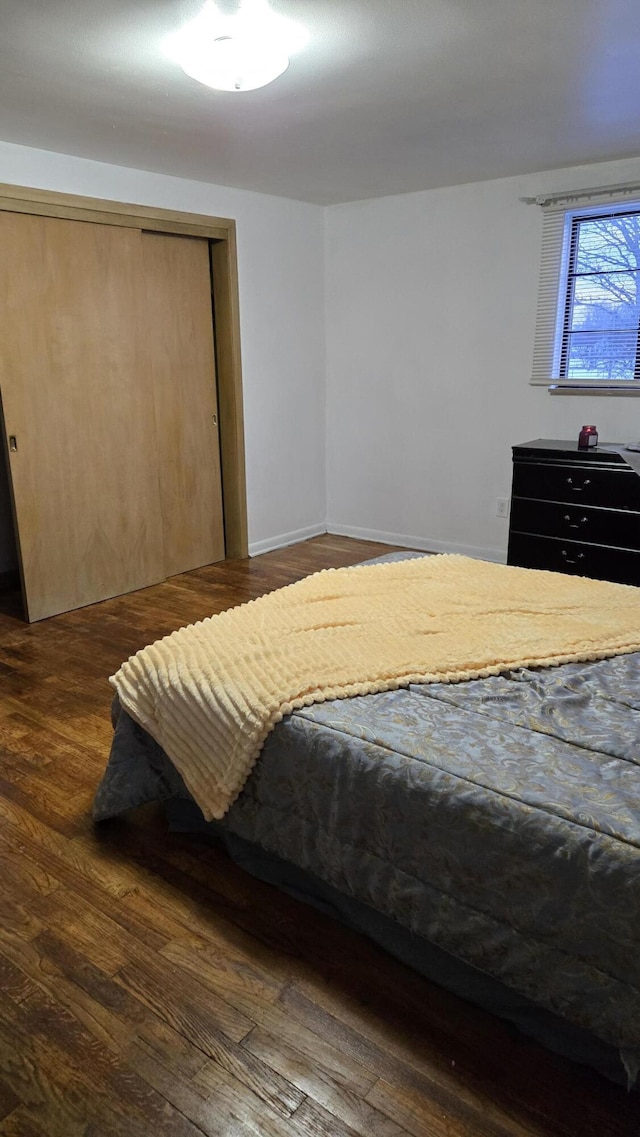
{"x":221,"y":235}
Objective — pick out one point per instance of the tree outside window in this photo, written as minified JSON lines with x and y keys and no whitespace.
{"x":600,"y":334}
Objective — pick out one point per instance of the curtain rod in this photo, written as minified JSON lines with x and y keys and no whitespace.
{"x":583,"y":194}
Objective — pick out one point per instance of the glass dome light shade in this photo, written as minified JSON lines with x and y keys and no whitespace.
{"x":238,"y":52}
{"x":235,"y":63}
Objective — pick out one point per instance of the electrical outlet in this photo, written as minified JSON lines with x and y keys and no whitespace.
{"x":502,"y":507}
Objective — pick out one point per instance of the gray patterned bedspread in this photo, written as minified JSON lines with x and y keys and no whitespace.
{"x":499,"y":818}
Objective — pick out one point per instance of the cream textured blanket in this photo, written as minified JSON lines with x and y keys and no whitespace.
{"x":210,"y":693}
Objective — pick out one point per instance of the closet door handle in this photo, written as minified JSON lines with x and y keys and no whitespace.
{"x":13,"y":443}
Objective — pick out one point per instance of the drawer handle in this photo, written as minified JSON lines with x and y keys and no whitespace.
{"x":569,"y":560}
{"x":579,"y":489}
{"x":575,"y":524}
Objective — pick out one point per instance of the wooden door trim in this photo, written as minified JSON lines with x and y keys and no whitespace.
{"x":221,"y":233}
{"x":50,"y":203}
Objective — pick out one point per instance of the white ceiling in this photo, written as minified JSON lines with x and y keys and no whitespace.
{"x":389,"y":96}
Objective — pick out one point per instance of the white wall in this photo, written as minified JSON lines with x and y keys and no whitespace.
{"x":430,"y":309}
{"x":280,"y":254}
{"x":431,"y":301}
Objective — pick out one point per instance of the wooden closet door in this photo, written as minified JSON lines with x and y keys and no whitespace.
{"x":77,"y":397}
{"x":181,"y":348}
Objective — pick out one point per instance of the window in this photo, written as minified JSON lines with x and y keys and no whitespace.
{"x":588,"y":321}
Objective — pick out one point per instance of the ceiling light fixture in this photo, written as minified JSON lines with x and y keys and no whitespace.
{"x":240,"y":51}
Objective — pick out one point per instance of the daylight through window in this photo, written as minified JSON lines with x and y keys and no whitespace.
{"x":600,"y":326}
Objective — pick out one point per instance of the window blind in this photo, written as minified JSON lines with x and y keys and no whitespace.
{"x":558,"y":212}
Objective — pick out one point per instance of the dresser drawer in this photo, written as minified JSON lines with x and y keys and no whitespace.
{"x":582,"y":484}
{"x":576,"y":522}
{"x":598,"y":561}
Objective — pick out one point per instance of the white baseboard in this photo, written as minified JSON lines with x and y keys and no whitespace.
{"x":284,"y":539}
{"x":407,"y":540}
{"x":424,"y":544}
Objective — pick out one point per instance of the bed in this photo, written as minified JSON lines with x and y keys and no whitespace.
{"x":487,"y":833}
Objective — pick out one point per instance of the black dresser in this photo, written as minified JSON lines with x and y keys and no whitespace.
{"x":575,"y":511}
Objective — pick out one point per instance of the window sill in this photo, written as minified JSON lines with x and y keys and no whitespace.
{"x":557,"y":389}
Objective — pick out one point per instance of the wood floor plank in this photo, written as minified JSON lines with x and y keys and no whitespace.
{"x":315,"y":1121}
{"x":9,"y":1100}
{"x":422,"y":1027}
{"x":36,"y":1077}
{"x":21,"y":1123}
{"x":108,"y":1010}
{"x":223,"y":901}
{"x":418,"y":1112}
{"x":167,"y":911}
{"x":13,"y":981}
{"x":344,"y":1105}
{"x":329,"y":1061}
{"x":263,"y":1080}
{"x":105,"y":1086}
{"x":231,"y":1111}
{"x":16,"y":921}
{"x":173,"y":996}
{"x":96,"y":936}
{"x":366,"y":1037}
{"x":235,"y":979}
{"x":50,"y":803}
{"x":22,"y":874}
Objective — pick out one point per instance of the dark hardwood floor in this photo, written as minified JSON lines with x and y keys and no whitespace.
{"x":150,"y":987}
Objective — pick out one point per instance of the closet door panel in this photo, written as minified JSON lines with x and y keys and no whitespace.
{"x":181,"y":347}
{"x":77,"y":397}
